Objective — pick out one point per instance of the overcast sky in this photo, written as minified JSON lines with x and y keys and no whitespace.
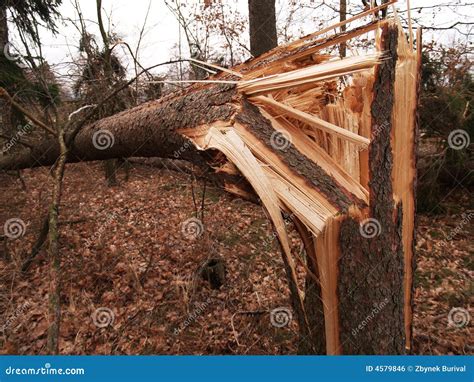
{"x":162,"y":29}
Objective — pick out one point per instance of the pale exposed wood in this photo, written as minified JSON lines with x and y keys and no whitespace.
{"x":343,"y":151}
{"x":324,"y":105}
{"x":329,"y":121}
{"x":314,"y":121}
{"x":404,"y":167}
{"x":345,"y":22}
{"x":229,"y":142}
{"x":321,"y":72}
{"x":272,"y":161}
{"x":318,"y":155}
{"x":363,"y":84}
{"x":327,"y":254}
{"x":287,"y":63}
{"x":192,"y":82}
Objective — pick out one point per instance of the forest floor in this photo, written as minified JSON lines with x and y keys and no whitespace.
{"x":131,"y":282}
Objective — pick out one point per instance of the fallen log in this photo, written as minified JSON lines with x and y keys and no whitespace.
{"x":329,"y":141}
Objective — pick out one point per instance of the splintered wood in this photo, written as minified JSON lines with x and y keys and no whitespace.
{"x":300,"y":134}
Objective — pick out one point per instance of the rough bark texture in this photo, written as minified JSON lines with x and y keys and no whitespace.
{"x":5,"y":108}
{"x":54,"y":311}
{"x":370,"y":279}
{"x":314,"y":342}
{"x":262,"y":20}
{"x":370,"y":288}
{"x":148,"y":130}
{"x":314,"y":175}
{"x":342,"y":17}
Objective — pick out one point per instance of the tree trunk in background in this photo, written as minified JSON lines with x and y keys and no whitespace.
{"x":359,"y":275}
{"x":5,"y":109}
{"x":3,"y":27}
{"x":111,"y":167}
{"x":262,"y":20}
{"x":342,"y":17}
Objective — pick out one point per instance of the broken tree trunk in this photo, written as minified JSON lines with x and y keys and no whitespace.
{"x":329,"y":141}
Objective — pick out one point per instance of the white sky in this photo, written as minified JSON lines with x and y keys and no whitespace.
{"x":162,"y":30}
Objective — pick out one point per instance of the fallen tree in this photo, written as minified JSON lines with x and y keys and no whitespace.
{"x":329,"y":141}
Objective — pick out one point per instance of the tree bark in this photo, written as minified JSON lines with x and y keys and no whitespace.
{"x":5,"y":109}
{"x":149,"y":130}
{"x":54,"y":316}
{"x":342,"y":17}
{"x":374,"y":271}
{"x":374,"y":302}
{"x":3,"y":27}
{"x":262,"y":23}
{"x":357,"y":305}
